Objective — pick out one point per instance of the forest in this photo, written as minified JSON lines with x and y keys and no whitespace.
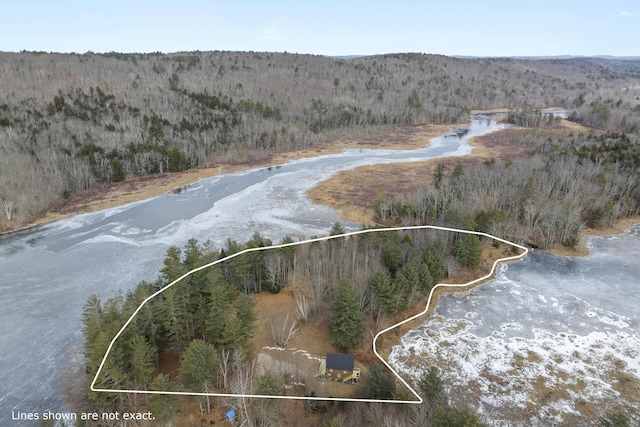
{"x":76,"y":122}
{"x":350,"y":286}
{"x":567,"y":183}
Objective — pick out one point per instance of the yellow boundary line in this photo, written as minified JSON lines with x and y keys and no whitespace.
{"x":284,"y":245}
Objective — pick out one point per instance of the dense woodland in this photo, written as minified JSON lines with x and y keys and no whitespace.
{"x":71,"y":122}
{"x":348,"y":286}
{"x":568,"y":182}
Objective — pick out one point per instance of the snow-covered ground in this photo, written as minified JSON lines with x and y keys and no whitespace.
{"x":551,"y":339}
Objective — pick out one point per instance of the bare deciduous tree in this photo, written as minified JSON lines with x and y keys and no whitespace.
{"x":282,"y":336}
{"x":302,"y":307}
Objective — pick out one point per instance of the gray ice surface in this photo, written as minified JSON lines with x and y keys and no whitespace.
{"x":47,"y":274}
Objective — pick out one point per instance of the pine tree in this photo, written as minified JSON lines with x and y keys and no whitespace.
{"x":403,"y":289}
{"x":173,"y":267}
{"x":233,"y":335}
{"x":438,"y":175}
{"x":245,"y":311}
{"x":380,"y":383}
{"x":391,"y":257}
{"x":336,"y":229}
{"x":199,"y":367}
{"x":92,"y":319}
{"x":219,"y":311}
{"x":174,"y":320}
{"x":269,"y":385}
{"x":458,"y":171}
{"x":430,"y":384}
{"x":468,"y":251}
{"x":614,"y":419}
{"x":238,"y":330}
{"x":384,"y":291}
{"x":346,"y":318}
{"x":451,"y":416}
{"x":163,"y":406}
{"x":426,"y":281}
{"x":142,"y":360}
{"x":433,"y":258}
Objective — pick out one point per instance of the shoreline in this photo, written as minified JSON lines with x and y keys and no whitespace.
{"x":142,"y":188}
{"x":618,"y":227}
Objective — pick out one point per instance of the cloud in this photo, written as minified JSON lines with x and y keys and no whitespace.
{"x":270,"y":34}
{"x":624,"y":14}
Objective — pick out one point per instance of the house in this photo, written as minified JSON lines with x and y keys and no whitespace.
{"x":339,"y":367}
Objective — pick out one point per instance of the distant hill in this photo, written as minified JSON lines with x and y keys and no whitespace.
{"x":550,"y":57}
{"x":69,"y":122}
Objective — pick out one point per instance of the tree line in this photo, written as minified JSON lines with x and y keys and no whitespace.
{"x":70,"y":122}
{"x":350,"y":286}
{"x":566,"y":183}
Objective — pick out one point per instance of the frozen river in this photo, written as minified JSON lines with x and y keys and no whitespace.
{"x":550,"y":338}
{"x":559,"y":318}
{"x":46,"y":275}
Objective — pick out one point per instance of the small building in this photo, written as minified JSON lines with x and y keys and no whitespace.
{"x":339,"y":367}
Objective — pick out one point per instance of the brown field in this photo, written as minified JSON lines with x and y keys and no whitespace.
{"x":353,"y":192}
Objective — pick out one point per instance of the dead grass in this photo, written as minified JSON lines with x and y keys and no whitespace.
{"x":301,"y":358}
{"x":354,"y":192}
{"x":387,"y":340}
{"x":140,"y":188}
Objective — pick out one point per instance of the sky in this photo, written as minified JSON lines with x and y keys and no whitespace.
{"x":336,"y":28}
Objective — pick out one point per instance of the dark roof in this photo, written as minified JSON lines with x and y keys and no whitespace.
{"x":342,"y":362}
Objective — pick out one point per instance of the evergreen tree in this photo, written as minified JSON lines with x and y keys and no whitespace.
{"x":458,"y":171}
{"x":403,"y":289}
{"x":411,"y":273}
{"x":163,"y":406}
{"x":200,"y":367}
{"x":614,"y":419}
{"x":142,"y":360}
{"x":92,"y":320}
{"x":192,"y":254}
{"x":468,"y":251}
{"x":147,"y":321}
{"x":269,"y":385}
{"x":233,"y":335}
{"x":238,"y":331}
{"x":380,"y":383}
{"x":289,"y":251}
{"x":219,"y":311}
{"x":449,"y":416}
{"x":173,"y":267}
{"x":391,"y":256}
{"x":244,"y":306}
{"x":346,"y":318}
{"x":426,"y":281}
{"x":384,"y":291}
{"x":336,"y":229}
{"x":433,"y":257}
{"x":438,"y":175}
{"x":430,"y":385}
{"x":174,"y":320}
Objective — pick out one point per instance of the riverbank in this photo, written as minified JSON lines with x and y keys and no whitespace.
{"x":140,"y":188}
{"x":354,"y":192}
{"x":618,"y":227}
{"x":461,"y":282}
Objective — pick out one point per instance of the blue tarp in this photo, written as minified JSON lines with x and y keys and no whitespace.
{"x":231,"y":414}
